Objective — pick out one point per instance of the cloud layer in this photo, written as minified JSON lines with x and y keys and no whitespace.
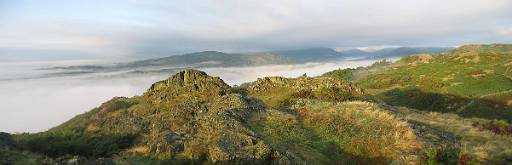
{"x":99,"y":29}
{"x":33,"y":105}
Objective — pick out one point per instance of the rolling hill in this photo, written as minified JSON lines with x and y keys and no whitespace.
{"x":453,"y":108}
{"x":310,"y":55}
{"x":393,"y":52}
{"x":212,"y":59}
{"x":405,"y":51}
{"x":221,"y":59}
{"x":473,"y":80}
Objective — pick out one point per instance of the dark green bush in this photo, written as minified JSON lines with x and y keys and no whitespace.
{"x":56,"y":144}
{"x":342,"y":74}
{"x":333,"y":94}
{"x":445,"y":154}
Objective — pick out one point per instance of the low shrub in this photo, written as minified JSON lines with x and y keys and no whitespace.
{"x":446,"y":155}
{"x":56,"y":144}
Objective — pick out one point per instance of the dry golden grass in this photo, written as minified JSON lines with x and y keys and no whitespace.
{"x":362,"y":128}
{"x":138,"y":150}
{"x":482,"y":146}
{"x":323,"y":132}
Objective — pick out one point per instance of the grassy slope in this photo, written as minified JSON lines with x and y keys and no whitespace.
{"x":309,"y":117}
{"x":331,"y":133}
{"x":474,"y":81}
{"x":459,"y":72}
{"x":481,"y":145}
{"x":458,"y":89}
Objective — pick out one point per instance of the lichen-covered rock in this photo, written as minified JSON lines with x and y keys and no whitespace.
{"x":188,"y":84}
{"x":276,"y":92}
{"x":302,"y":83}
{"x":417,"y":59}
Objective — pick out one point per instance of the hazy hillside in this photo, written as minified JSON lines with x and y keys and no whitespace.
{"x":405,"y":51}
{"x":191,"y":60}
{"x":220,"y":59}
{"x":388,"y":53}
{"x":328,"y":54}
{"x":310,"y":55}
{"x":212,"y":59}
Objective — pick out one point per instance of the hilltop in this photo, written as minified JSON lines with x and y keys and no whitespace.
{"x":451,"y":108}
{"x":192,"y":118}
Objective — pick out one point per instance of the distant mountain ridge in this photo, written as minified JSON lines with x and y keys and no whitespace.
{"x":190,"y":60}
{"x":220,"y":59}
{"x":310,"y":55}
{"x":393,"y":52}
{"x":328,"y":54}
{"x":405,"y":51}
{"x":214,"y":58}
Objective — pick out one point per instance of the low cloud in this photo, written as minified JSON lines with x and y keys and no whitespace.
{"x":33,"y":105}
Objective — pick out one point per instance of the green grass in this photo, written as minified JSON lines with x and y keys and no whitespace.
{"x":327,"y":133}
{"x":446,"y":74}
{"x":472,"y":81}
{"x":13,"y":157}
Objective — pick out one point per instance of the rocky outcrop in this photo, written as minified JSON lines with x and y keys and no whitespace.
{"x":303,"y":83}
{"x":188,"y":116}
{"x":417,"y":59}
{"x":189,"y":84}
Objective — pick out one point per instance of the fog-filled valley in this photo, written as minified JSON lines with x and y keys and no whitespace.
{"x":35,"y":100}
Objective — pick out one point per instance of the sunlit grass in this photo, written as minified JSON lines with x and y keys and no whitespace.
{"x":346,"y":132}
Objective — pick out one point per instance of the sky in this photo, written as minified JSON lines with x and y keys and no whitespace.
{"x":116,"y":30}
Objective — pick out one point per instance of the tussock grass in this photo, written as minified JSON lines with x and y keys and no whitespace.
{"x":350,"y":132}
{"x":482,"y":146}
{"x":361,"y":129}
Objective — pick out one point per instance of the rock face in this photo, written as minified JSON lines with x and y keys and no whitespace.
{"x":303,"y":83}
{"x":188,"y":84}
{"x":189,"y":116}
{"x":417,"y":59}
